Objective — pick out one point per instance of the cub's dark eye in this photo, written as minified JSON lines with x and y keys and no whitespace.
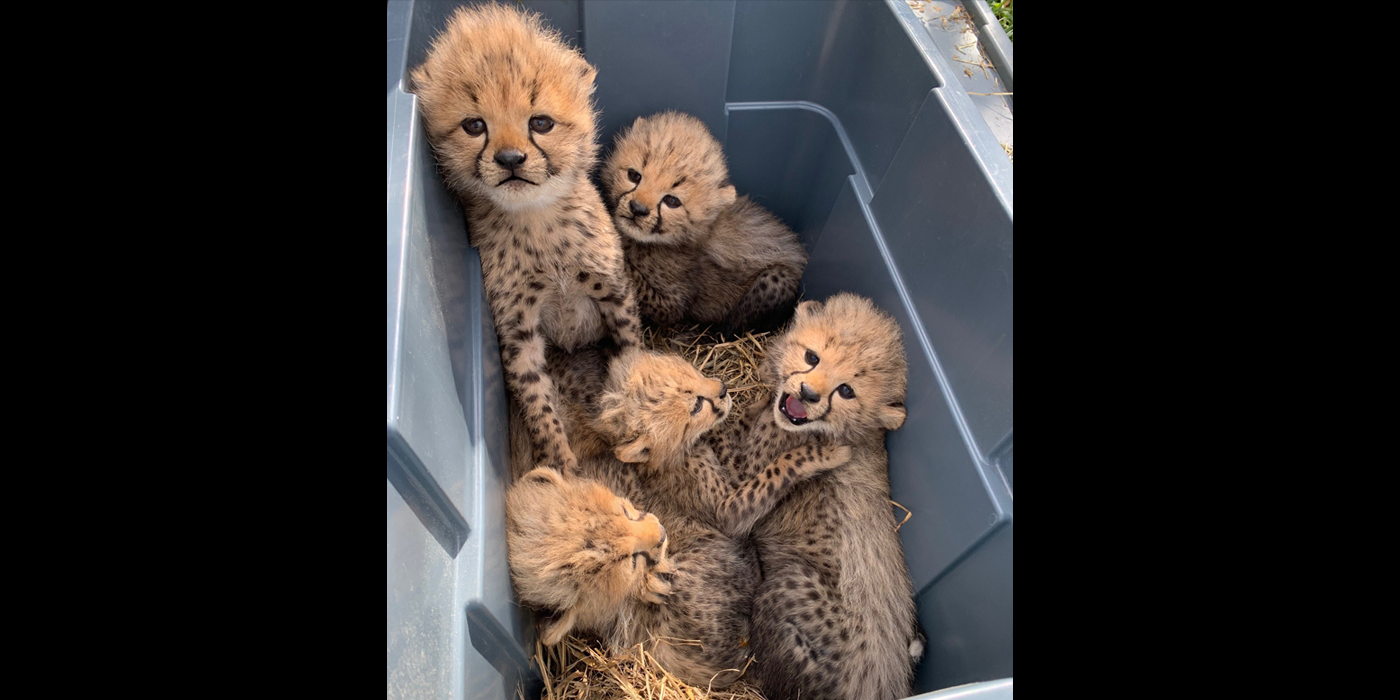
{"x":633,"y":175}
{"x":846,"y":391}
{"x":541,"y":125}
{"x":699,"y":404}
{"x":812,"y":358}
{"x":474,"y":127}
{"x":671,"y":202}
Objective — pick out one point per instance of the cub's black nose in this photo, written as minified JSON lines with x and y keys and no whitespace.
{"x":722,"y":389}
{"x":808,"y":395}
{"x":510,"y":159}
{"x":639,"y":209}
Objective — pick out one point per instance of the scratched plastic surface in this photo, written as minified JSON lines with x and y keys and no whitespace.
{"x":955,"y":31}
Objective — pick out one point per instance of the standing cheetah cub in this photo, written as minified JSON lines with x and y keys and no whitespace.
{"x":695,"y":252}
{"x":509,"y":110}
{"x":834,"y":615}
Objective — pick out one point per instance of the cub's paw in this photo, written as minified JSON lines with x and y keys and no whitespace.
{"x":838,"y":455}
{"x":659,"y":582}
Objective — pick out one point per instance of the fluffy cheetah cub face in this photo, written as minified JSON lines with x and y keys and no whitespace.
{"x":840,"y":369}
{"x":656,"y":406}
{"x":667,"y":179}
{"x":508,"y":106}
{"x":578,"y":548}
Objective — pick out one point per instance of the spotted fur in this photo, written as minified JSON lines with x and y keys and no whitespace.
{"x":695,"y":252}
{"x":499,"y":85}
{"x":580,"y":550}
{"x":834,"y":615}
{"x":637,"y":428}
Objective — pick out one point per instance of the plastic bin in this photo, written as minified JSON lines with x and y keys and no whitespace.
{"x":835,"y":116}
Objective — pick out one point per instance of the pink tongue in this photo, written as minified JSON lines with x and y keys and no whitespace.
{"x":795,"y":407}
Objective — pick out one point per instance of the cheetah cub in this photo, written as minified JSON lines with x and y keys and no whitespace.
{"x":578,"y":548}
{"x":694,"y":251}
{"x":645,"y":418}
{"x":834,"y":615}
{"x":508,"y":108}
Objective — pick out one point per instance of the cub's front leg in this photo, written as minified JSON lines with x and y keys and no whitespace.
{"x":523,"y":357}
{"x":736,"y":507}
{"x":618,"y":308}
{"x":756,"y":497}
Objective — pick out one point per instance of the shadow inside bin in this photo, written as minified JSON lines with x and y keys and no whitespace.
{"x":495,"y":645}
{"x":448,"y":240}
{"x":451,"y":259}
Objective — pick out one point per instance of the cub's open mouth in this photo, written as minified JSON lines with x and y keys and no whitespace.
{"x":514,"y":178}
{"x":793,"y":409}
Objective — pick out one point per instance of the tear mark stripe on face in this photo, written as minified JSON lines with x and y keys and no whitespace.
{"x":477,"y":163}
{"x":624,"y":194}
{"x":548,"y":165}
{"x":713,"y":406}
{"x":794,"y":374}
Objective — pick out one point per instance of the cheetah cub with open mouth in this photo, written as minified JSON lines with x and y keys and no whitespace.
{"x":509,"y":111}
{"x":695,"y":251}
{"x":834,"y":616}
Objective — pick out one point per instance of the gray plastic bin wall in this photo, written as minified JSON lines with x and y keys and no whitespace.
{"x":835,"y":116}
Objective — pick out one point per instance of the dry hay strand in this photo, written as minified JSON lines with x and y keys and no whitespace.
{"x":581,"y":669}
{"x":738,"y":361}
{"x":1009,"y":156}
{"x":907,"y":514}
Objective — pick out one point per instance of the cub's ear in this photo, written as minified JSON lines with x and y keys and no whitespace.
{"x":892,"y":416}
{"x":544,"y":476}
{"x":552,"y":631}
{"x":727,"y":194}
{"x":636,"y":451}
{"x":808,"y":308}
{"x":612,"y":413}
{"x":587,"y":74}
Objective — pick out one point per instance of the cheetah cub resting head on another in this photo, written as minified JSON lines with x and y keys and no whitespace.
{"x":695,"y":251}
{"x":580,"y":549}
{"x":656,"y":406}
